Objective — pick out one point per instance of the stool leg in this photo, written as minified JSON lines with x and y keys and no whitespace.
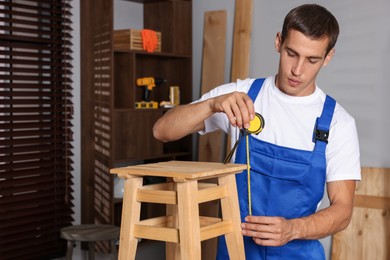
{"x":91,"y":250}
{"x":130,"y":216}
{"x":231,"y":210}
{"x":69,"y":249}
{"x":113,"y":249}
{"x":172,"y":250}
{"x":189,"y":226}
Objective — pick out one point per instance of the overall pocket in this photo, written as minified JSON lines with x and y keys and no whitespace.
{"x":278,"y":185}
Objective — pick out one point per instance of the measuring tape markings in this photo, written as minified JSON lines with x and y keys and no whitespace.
{"x":255,"y":127}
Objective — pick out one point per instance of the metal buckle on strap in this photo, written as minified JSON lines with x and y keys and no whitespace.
{"x":321,"y":135}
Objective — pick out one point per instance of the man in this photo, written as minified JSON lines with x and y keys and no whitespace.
{"x":308,"y":140}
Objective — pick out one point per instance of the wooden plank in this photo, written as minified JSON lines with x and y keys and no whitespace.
{"x":188,"y":211}
{"x":210,"y":147}
{"x":213,"y":193}
{"x":130,"y":216}
{"x":241,"y":39}
{"x":156,"y":233}
{"x":215,"y":230}
{"x":374,"y":202}
{"x":231,"y":211}
{"x":241,"y":45}
{"x":157,"y":196}
{"x":368,"y":234}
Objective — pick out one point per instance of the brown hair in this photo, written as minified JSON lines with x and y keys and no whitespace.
{"x":314,"y":21}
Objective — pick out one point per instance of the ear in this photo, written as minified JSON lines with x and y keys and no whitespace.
{"x":328,"y":57}
{"x":278,"y":41}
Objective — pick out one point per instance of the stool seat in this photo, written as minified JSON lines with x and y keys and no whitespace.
{"x":90,"y":233}
{"x":182,"y":228}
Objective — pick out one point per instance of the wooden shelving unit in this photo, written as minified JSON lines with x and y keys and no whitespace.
{"x":113,"y":131}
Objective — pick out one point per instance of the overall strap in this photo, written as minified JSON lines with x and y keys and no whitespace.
{"x":255,"y":88}
{"x":321,"y":130}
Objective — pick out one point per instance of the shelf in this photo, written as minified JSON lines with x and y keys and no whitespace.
{"x":114,"y":132}
{"x":158,"y":54}
{"x":134,"y":110}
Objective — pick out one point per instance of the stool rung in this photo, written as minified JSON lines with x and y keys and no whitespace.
{"x":216,"y":229}
{"x":158,"y":231}
{"x":157,"y":196}
{"x":163,"y":221}
{"x":213,"y":193}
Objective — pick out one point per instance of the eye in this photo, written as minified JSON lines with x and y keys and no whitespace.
{"x":313,"y":61}
{"x":290,"y":53}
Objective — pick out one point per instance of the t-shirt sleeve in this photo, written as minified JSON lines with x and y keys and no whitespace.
{"x":343,"y":155}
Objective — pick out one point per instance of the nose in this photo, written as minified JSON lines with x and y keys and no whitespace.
{"x":297,"y":69}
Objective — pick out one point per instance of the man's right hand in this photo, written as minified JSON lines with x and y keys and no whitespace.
{"x":187,"y":119}
{"x":237,"y":106}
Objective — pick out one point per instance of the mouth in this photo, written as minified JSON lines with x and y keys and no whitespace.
{"x":293,"y":82}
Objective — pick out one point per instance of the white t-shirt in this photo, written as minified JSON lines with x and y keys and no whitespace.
{"x":289,"y":122}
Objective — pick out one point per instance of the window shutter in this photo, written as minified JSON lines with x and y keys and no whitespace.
{"x":36,"y":113}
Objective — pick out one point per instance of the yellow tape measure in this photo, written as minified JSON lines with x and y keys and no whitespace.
{"x":255,"y":127}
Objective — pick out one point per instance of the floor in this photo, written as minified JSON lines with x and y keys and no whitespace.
{"x":145,"y":251}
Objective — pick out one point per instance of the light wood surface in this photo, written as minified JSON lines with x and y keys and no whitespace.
{"x":368,"y":234}
{"x":211,"y":146}
{"x":241,"y":39}
{"x":229,"y":208}
{"x":180,"y":170}
{"x":182,"y":228}
{"x":241,"y":45}
{"x":131,"y":210}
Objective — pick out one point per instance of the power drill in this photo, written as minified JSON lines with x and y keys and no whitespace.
{"x":149,"y":83}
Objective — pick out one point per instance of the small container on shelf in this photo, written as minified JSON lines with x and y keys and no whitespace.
{"x":131,"y":39}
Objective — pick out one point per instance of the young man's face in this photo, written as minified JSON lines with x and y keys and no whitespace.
{"x":301,"y":58}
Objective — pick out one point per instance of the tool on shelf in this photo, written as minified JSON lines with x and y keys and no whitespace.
{"x":148,"y":83}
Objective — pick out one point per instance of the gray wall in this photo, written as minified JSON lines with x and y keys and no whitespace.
{"x":355,"y":77}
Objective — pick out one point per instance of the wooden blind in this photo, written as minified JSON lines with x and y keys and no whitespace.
{"x":35,"y":127}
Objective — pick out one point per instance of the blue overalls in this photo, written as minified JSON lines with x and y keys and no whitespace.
{"x":284,"y":182}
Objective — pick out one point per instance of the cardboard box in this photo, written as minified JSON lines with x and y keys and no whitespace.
{"x":132,"y":39}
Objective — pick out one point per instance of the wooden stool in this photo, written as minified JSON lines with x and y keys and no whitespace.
{"x":182,"y":227}
{"x":90,"y":233}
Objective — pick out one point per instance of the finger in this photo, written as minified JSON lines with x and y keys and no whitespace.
{"x":229,"y":113}
{"x":230,"y":107}
{"x":263,"y":235}
{"x":267,"y":242}
{"x":242,"y":106}
{"x":261,"y":219}
{"x":250,"y":106}
{"x":227,"y":104}
{"x":247,"y":109}
{"x":237,"y":114}
{"x":248,"y":227}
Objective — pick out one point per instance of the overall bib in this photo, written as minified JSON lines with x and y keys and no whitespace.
{"x":285,"y":182}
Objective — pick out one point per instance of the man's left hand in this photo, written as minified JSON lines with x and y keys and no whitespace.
{"x":269,"y":231}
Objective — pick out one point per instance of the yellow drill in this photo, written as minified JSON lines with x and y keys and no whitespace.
{"x":148,"y":83}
